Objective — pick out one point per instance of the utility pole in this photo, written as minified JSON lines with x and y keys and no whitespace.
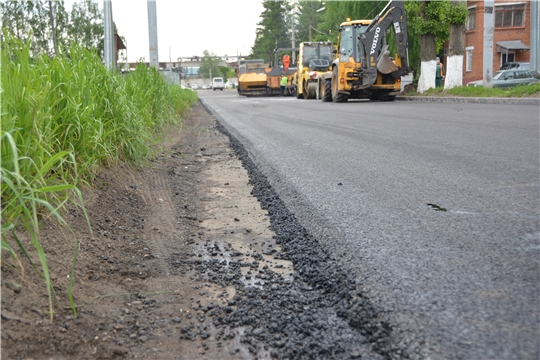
{"x":108,"y":28}
{"x":489,"y":10}
{"x":152,"y":33}
{"x":293,"y":40}
{"x":535,"y":39}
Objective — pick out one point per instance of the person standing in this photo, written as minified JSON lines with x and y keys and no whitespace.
{"x":439,"y":74}
{"x":282,"y":84}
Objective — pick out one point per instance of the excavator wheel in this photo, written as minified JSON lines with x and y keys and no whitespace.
{"x":336,"y":96}
{"x":310,"y":90}
{"x":326,"y":90}
{"x":305,"y":93}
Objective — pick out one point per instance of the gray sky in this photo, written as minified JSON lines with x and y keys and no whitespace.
{"x":224,"y":27}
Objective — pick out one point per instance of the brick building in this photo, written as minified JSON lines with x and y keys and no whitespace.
{"x":511,"y":37}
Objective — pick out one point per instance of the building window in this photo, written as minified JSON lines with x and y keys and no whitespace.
{"x":469,"y":58}
{"x":507,"y":57}
{"x":471,"y":21}
{"x":510,"y":15}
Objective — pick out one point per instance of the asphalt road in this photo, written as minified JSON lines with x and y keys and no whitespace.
{"x":432,"y":208}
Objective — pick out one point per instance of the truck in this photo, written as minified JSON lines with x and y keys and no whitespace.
{"x":314,"y":59}
{"x":362,"y":67}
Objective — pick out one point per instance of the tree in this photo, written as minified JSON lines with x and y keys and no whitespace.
{"x":456,"y":46}
{"x":47,"y":24}
{"x":86,"y":25}
{"x":431,"y":20}
{"x":307,"y":20}
{"x":223,"y":72}
{"x":58,"y":20}
{"x":209,"y":65}
{"x":272,"y":31}
{"x":14,"y":18}
{"x":38,"y":19}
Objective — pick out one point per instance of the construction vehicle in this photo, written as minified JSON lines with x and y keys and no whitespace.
{"x":362,"y":68}
{"x":255,"y":78}
{"x":252,"y":77}
{"x":314,"y":59}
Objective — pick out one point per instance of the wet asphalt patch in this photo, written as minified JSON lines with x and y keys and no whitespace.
{"x":317,"y":314}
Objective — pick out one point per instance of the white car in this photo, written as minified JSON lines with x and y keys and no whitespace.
{"x":184,"y":88}
{"x":194,"y":87}
{"x":218,"y":83}
{"x":508,"y":78}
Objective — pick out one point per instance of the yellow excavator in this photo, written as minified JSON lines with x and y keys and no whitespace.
{"x":363,"y":68}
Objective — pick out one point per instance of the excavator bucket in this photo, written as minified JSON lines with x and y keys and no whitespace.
{"x":384,"y":63}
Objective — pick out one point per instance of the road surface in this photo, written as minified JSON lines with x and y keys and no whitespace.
{"x":433,"y":209}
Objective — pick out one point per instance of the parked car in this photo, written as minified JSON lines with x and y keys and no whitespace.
{"x":516,"y":65}
{"x":184,"y":88}
{"x":195,"y":87}
{"x":207,"y":86}
{"x":508,"y":78}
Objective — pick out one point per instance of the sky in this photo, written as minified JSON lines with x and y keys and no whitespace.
{"x":187,"y":27}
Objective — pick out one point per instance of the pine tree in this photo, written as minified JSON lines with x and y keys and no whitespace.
{"x":272,"y":31}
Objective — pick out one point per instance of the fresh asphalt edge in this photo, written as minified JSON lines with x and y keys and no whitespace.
{"x":471,"y":100}
{"x":320,"y":314}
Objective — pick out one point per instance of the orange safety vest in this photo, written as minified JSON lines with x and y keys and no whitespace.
{"x":286,"y":62}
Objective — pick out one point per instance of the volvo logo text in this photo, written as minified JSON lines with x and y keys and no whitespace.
{"x":375,"y":38}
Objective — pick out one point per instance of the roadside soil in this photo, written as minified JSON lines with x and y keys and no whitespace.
{"x":192,"y":256}
{"x":140,"y":285}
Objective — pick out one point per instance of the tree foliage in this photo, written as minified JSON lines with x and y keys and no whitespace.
{"x":337,"y":12}
{"x":209,"y":65}
{"x":308,"y":18}
{"x":272,"y":31}
{"x":50,"y":27}
{"x":86,"y":25}
{"x":434,"y":18}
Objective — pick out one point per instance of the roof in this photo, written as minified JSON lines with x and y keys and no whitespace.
{"x":512,"y":45}
{"x":356,"y":22}
{"x":119,"y":42}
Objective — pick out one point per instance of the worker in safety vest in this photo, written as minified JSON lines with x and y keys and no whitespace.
{"x":286,"y":62}
{"x":283,"y":84}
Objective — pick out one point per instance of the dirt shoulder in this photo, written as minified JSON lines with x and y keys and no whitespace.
{"x":193,"y":256}
{"x":141,"y":287}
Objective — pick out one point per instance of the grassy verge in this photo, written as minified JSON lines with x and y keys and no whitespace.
{"x":479,"y":91}
{"x":63,"y":119}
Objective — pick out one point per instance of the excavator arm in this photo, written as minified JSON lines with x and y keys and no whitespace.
{"x":377,"y":56}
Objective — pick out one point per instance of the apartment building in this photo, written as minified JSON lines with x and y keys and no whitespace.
{"x":511,"y":37}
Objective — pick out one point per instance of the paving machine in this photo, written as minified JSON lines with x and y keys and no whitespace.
{"x":362,"y":67}
{"x":255,"y":78}
{"x":314,"y":59}
{"x":252,"y":77}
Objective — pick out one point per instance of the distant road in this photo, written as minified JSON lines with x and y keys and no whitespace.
{"x":432,"y":208}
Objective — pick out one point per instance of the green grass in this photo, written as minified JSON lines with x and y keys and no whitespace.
{"x":479,"y":91}
{"x":63,"y":119}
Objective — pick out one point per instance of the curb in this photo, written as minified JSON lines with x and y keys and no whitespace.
{"x":471,"y":100}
